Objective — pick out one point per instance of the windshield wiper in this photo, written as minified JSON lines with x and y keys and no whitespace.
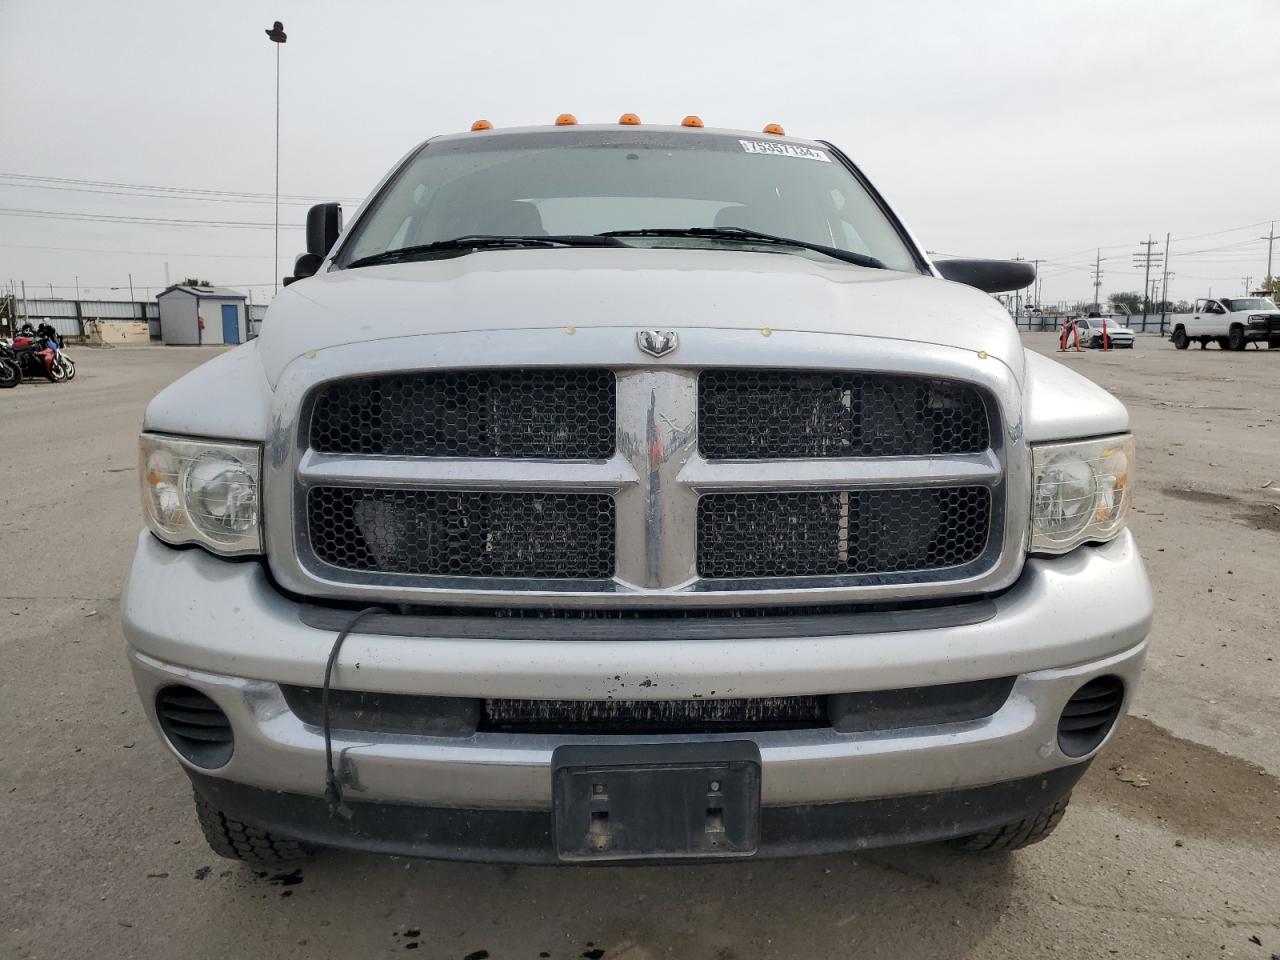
{"x":742,"y":235}
{"x":467,"y":244}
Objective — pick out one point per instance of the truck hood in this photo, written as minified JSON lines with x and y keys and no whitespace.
{"x":640,"y":288}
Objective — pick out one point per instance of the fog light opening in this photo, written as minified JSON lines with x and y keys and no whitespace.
{"x":1089,"y":715}
{"x":195,"y":727}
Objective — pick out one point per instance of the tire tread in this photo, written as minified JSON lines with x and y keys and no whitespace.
{"x":236,"y":840}
{"x":1019,"y":833}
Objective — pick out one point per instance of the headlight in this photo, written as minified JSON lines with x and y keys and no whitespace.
{"x":202,"y":491}
{"x":1080,"y":492}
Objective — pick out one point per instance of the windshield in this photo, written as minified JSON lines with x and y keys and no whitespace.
{"x":1249,"y":303}
{"x":584,"y":183}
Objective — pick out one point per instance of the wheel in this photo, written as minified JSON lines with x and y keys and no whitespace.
{"x":1016,"y":835}
{"x":1180,"y":339}
{"x":1235,"y":338}
{"x":68,"y":367}
{"x":10,"y":373}
{"x":1273,"y":344}
{"x":235,"y":840}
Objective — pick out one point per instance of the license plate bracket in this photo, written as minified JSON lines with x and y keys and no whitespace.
{"x":656,"y":801}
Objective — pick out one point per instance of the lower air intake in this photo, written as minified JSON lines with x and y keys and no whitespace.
{"x":654,"y":716}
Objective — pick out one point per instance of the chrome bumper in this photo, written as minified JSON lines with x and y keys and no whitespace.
{"x":223,"y":628}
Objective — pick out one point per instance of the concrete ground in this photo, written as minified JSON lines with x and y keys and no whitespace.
{"x":1171,"y":848}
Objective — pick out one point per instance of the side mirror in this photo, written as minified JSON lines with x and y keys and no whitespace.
{"x":324,"y":223}
{"x":990,"y":276}
{"x":305,"y":266}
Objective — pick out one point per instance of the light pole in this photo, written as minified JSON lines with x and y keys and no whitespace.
{"x":277,"y":36}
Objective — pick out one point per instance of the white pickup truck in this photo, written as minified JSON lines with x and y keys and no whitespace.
{"x":1232,"y":322}
{"x":626,"y":492}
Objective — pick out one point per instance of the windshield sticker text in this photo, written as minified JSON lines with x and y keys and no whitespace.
{"x":784,"y":150}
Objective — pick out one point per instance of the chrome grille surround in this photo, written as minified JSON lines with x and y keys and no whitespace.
{"x":656,"y":474}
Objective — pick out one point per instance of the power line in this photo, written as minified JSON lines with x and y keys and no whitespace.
{"x":138,"y":253}
{"x":165,"y":189}
{"x":148,"y":196}
{"x":122,"y":218}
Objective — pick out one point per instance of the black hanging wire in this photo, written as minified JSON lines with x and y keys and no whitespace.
{"x":332,"y":785}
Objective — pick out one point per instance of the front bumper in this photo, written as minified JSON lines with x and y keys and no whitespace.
{"x":224,"y":629}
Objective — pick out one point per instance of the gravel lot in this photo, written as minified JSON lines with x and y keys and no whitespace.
{"x":1171,"y":848}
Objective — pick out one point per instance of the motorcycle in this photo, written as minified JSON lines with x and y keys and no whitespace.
{"x":64,"y":366}
{"x":10,"y":372}
{"x":35,"y":351}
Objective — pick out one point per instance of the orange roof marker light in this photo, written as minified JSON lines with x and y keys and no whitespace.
{"x":691,"y":121}
{"x":481,"y":125}
{"x":775,"y":129}
{"x":629,"y":120}
{"x":566,"y":120}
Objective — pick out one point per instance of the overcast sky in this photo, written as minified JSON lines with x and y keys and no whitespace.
{"x":994,"y":127}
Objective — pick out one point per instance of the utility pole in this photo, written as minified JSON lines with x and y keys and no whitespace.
{"x":1247,"y":282}
{"x":1145,"y":260}
{"x":1017,"y":300}
{"x":77,"y":287}
{"x":1271,"y":239}
{"x":131,"y":289}
{"x":1164,"y":287}
{"x":1035,"y":289}
{"x":1097,"y":281}
{"x":277,"y":36}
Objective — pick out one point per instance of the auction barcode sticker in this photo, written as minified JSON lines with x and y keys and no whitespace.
{"x":784,"y":150}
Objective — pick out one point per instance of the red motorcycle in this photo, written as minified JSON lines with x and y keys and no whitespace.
{"x":36,"y":353}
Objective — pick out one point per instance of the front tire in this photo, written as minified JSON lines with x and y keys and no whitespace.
{"x":1180,"y":339}
{"x":1018,"y":834}
{"x":1235,"y":338}
{"x":10,"y":374}
{"x":236,"y":840}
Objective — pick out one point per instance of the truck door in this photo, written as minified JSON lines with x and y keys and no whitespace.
{"x":1213,"y":319}
{"x":1196,"y":322}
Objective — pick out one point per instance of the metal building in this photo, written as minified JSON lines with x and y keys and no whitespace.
{"x":202,"y":315}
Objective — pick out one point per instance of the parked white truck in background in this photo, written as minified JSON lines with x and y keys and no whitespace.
{"x":1231,"y":322}
{"x":671,"y":504}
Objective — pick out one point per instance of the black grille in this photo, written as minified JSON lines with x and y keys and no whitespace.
{"x":1089,"y":715}
{"x":654,"y":716}
{"x":195,"y":726}
{"x":831,"y":533}
{"x":464,"y":534}
{"x":780,"y":414}
{"x":554,"y":413}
